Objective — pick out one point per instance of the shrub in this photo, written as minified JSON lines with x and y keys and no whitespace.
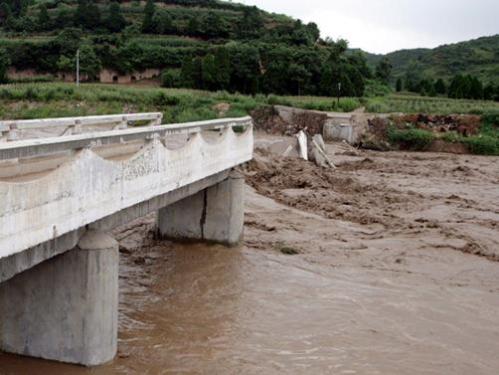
{"x":275,"y":100}
{"x":412,"y":139}
{"x":483,"y":145}
{"x":171,"y":78}
{"x":491,"y":118}
{"x":161,"y":99}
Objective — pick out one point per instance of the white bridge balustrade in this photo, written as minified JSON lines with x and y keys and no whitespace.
{"x":61,"y":195}
{"x":21,"y":129}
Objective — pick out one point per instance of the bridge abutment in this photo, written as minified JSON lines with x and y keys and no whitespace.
{"x":65,"y":309}
{"x":215,"y":214}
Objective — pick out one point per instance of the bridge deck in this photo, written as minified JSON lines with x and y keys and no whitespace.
{"x":84,"y":178}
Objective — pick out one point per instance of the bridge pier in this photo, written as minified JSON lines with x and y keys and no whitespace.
{"x":215,"y":214}
{"x":65,"y":309}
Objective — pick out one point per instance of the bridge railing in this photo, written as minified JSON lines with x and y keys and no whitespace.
{"x":52,"y":145}
{"x":12,"y":130}
{"x":55,"y":186}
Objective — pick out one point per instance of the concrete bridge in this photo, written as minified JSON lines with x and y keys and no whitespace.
{"x":65,"y":183}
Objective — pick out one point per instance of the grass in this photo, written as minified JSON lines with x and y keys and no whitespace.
{"x":37,"y":100}
{"x":485,"y":143}
{"x":178,"y":105}
{"x":412,"y":138}
{"x":42,"y":100}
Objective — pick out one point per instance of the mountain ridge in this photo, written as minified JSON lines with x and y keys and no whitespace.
{"x":478,"y":57}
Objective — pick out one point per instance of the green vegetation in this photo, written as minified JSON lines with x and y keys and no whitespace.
{"x":410,"y":103}
{"x":38,"y":100}
{"x":468,"y":70}
{"x":411,"y":138}
{"x":478,"y":58}
{"x":486,"y":142}
{"x":215,"y":45}
{"x":4,"y":65}
{"x":177,"y":105}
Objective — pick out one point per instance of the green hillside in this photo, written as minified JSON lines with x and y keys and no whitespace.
{"x":200,"y":44}
{"x":479,"y":58}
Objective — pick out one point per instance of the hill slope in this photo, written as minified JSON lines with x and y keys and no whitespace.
{"x":478,"y":57}
{"x":201,"y":44}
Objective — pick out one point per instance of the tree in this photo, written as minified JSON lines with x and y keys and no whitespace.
{"x":440,"y":87}
{"x":489,"y":92}
{"x":90,"y":64}
{"x":251,"y":25}
{"x":65,"y":64}
{"x":68,"y":41}
{"x":223,"y":71}
{"x":209,"y":73}
{"x":413,"y":76}
{"x":299,"y":35}
{"x":170,"y":78}
{"x":245,"y":61}
{"x":64,"y":18}
{"x":466,"y":87}
{"x":298,"y":76}
{"x":191,"y":74}
{"x":44,"y":22}
{"x":87,"y":15}
{"x":214,"y":26}
{"x":164,"y":23}
{"x":5,"y":15}
{"x":384,"y":70}
{"x":313,"y":32}
{"x":458,"y":87}
{"x":193,"y":27}
{"x":476,"y":88}
{"x":4,"y":65}
{"x":115,"y":21}
{"x":432,"y":91}
{"x":148,"y":25}
{"x":17,"y":7}
{"x":399,"y":85}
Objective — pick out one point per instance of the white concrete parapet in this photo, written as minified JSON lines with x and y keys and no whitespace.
{"x":10,"y":130}
{"x":88,"y":188}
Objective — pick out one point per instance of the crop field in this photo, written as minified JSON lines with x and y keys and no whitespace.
{"x":421,"y":104}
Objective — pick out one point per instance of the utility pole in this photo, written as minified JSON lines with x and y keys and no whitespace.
{"x":339,"y":93}
{"x":78,"y":67}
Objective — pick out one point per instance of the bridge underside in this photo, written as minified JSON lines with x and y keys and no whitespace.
{"x":59,"y":300}
{"x":17,"y":263}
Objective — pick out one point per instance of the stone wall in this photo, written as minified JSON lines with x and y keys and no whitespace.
{"x":105,"y":76}
{"x":111,"y":76}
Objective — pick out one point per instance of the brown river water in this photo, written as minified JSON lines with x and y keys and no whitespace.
{"x":193,"y":309}
{"x":394,"y":294}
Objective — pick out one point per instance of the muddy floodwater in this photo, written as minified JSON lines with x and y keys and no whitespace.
{"x":403,"y":278}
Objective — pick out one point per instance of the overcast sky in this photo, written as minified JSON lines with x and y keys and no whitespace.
{"x":382,"y":26}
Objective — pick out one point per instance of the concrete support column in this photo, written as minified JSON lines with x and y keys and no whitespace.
{"x":65,"y":309}
{"x":215,"y":214}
